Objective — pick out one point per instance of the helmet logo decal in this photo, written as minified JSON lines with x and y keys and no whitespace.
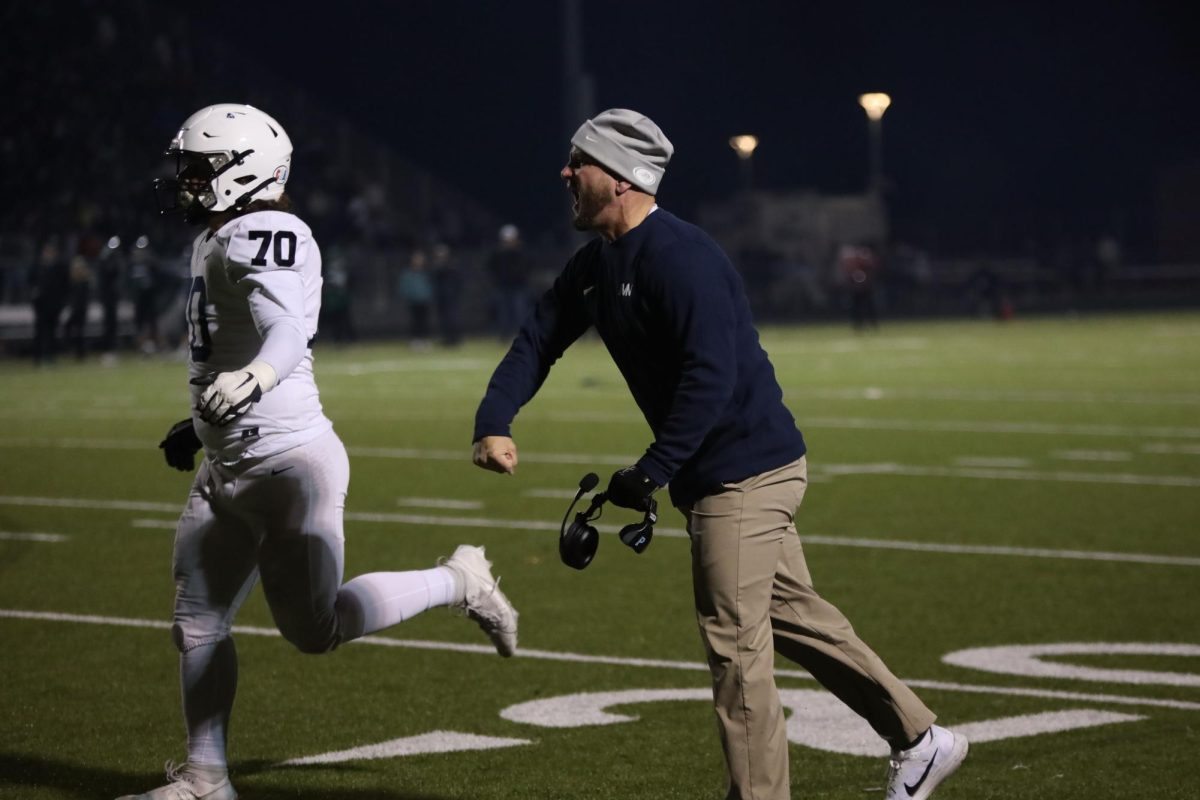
{"x":229,"y":115}
{"x":281,"y":174}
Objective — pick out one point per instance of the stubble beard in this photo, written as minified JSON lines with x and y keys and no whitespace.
{"x":588,"y":206}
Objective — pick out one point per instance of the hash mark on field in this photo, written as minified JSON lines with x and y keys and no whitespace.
{"x":166,"y":524}
{"x":553,"y":494}
{"x":580,"y":658}
{"x":1162,"y":447}
{"x":986,"y":461}
{"x":27,"y":536}
{"x":439,"y":502}
{"x":1092,"y":455}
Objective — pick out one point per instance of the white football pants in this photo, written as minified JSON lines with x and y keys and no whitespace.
{"x":278,"y":518}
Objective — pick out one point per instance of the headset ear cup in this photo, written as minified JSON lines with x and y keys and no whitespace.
{"x":637,"y":536}
{"x":577,"y":547}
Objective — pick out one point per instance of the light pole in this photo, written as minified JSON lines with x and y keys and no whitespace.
{"x":875,"y":103}
{"x":744,"y":145}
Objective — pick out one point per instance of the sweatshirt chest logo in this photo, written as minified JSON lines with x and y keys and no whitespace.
{"x":626,"y":290}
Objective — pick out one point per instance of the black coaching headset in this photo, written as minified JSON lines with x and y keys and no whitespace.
{"x":577,"y":544}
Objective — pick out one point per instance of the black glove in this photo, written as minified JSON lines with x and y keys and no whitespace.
{"x":630,"y":488}
{"x":180,"y":446}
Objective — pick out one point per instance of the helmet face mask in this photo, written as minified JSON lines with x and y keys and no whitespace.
{"x":226,"y":157}
{"x":191,"y":191}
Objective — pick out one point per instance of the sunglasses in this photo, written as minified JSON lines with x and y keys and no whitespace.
{"x":577,"y":159}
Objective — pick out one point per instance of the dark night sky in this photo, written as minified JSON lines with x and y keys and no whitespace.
{"x":1009,"y":119}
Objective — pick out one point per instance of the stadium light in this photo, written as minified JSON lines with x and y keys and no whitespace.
{"x":875,"y":103}
{"x":744,"y":145}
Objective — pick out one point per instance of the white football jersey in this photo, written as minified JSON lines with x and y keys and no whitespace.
{"x":259,"y":273}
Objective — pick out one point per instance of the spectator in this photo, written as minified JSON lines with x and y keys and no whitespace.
{"x":447,"y":290}
{"x":336,"y":318}
{"x":145,"y":280}
{"x":509,"y":269}
{"x":79,"y":294}
{"x":48,"y":293}
{"x":110,"y":269}
{"x":416,"y":289}
{"x":858,"y":269}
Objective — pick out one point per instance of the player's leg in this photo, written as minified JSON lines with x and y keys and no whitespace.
{"x":301,"y":505}
{"x":736,"y":537}
{"x":214,"y":568}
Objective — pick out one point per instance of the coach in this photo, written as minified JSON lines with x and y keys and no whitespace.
{"x":673,"y":313}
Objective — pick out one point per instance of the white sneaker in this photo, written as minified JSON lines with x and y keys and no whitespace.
{"x":913,"y":774}
{"x":186,"y":784}
{"x":483,"y":600}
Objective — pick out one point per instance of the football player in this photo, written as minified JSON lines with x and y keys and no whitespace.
{"x":268,"y":498}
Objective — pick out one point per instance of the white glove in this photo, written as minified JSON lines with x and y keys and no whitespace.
{"x":230,"y":394}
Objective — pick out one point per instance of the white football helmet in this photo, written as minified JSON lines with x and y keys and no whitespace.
{"x":227,"y":156}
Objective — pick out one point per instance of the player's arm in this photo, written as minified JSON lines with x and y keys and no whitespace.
{"x":264,"y":263}
{"x":558,"y":319}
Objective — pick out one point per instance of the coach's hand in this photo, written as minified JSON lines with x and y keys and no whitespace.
{"x":497,"y":453}
{"x":181,"y":445}
{"x":631,"y":488}
{"x":230,"y":394}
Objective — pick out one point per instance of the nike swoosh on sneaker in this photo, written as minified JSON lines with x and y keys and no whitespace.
{"x":285,"y":469}
{"x":590,"y":138}
{"x":914,"y":788}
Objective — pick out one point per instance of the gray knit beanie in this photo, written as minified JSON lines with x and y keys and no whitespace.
{"x":627,"y":143}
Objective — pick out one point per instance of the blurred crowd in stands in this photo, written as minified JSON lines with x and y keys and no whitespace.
{"x":88,"y":265}
{"x":82,"y":245}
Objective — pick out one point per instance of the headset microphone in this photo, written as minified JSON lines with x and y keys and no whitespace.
{"x":577,"y":544}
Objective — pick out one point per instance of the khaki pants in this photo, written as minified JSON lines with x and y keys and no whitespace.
{"x":753,"y":590}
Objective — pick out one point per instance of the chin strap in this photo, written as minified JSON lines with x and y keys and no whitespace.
{"x":248,"y":197}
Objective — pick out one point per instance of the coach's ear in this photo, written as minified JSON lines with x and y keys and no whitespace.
{"x":623,"y":187}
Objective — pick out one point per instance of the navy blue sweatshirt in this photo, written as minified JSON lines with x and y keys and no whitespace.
{"x":672,"y":311}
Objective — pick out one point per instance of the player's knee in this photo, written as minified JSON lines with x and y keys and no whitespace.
{"x":189,"y":634}
{"x":311,"y":640}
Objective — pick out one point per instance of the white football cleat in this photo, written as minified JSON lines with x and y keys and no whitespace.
{"x":913,"y":774}
{"x":483,"y":601}
{"x":184,"y":783}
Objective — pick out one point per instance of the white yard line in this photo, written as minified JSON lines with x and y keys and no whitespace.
{"x":581,"y":658}
{"x":985,"y":426}
{"x":677,"y":533}
{"x":1038,"y":476}
{"x":998,"y":396}
{"x":918,"y":426}
{"x":818,"y":469}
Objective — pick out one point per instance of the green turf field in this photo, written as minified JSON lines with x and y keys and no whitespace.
{"x":973,"y":486}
